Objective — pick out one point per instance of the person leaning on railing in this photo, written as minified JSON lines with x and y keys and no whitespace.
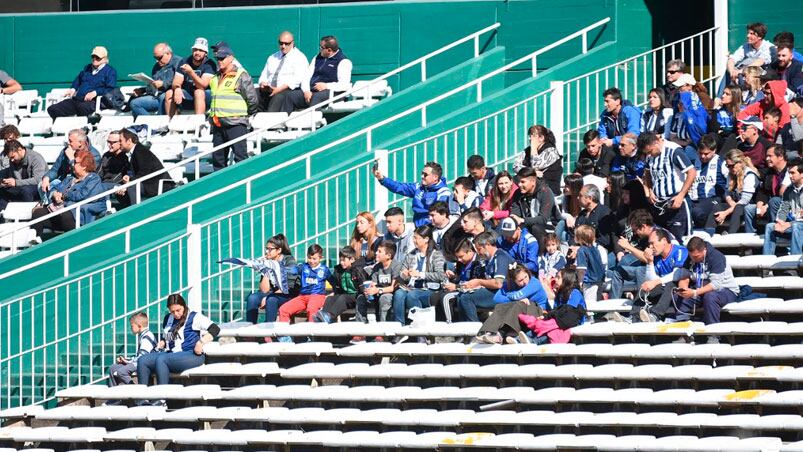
{"x":83,"y":183}
{"x":181,"y":347}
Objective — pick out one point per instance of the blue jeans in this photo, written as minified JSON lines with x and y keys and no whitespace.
{"x":469,"y":302}
{"x":272,"y":303}
{"x":750,"y":213}
{"x":147,"y":105}
{"x":712,"y":303}
{"x":403,"y":300}
{"x":162,"y":363}
{"x":560,"y":231}
{"x":795,"y":232}
{"x":630,"y":270}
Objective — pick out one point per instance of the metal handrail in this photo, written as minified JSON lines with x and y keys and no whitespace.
{"x":306,"y":157}
{"x":195,"y":159}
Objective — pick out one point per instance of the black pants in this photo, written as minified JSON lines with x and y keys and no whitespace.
{"x":222,"y":134}
{"x":64,"y":221}
{"x":734,"y":222}
{"x":676,"y":221}
{"x":661,"y":300}
{"x":295,"y":100}
{"x":337,"y":304}
{"x":700,"y":210}
{"x":276,"y":102}
{"x":26,"y":193}
{"x":71,"y":107}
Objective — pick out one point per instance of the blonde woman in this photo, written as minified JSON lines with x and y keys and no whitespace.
{"x":743,"y":182}
{"x":752,"y":78}
{"x":365,"y":238}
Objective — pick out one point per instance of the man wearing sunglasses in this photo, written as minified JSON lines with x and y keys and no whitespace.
{"x":752,"y":143}
{"x":327,"y":73}
{"x":282,"y":74}
{"x":114,"y":164}
{"x":674,"y":69}
{"x":151,"y":99}
{"x":432,"y":189}
{"x":95,"y":79}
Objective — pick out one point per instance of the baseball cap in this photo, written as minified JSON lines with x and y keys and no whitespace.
{"x":685,"y":79}
{"x":222,"y":50}
{"x":100,"y":52}
{"x":201,"y":44}
{"x":754,"y":121}
{"x":507,"y":227}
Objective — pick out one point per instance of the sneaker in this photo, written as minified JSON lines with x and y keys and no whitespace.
{"x":422,"y":340}
{"x":160,"y":402}
{"x":401,"y":339}
{"x":616,"y":317}
{"x":523,"y":338}
{"x":511,"y":340}
{"x":112,"y":403}
{"x":646,"y":316}
{"x":357,"y":340}
{"x":478,"y":339}
{"x":285,"y":339}
{"x":492,"y":338}
{"x":322,"y":317}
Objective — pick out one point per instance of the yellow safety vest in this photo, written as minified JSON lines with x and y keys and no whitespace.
{"x":227,"y":103}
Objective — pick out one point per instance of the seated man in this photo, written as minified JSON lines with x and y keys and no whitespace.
{"x":18,"y":181}
{"x":596,"y":215}
{"x":707,"y":280}
{"x":752,"y":143}
{"x":618,"y":118}
{"x":674,"y":70}
{"x":469,"y":226}
{"x":629,"y":161}
{"x":7,"y":133}
{"x":95,"y":79}
{"x":468,"y":267}
{"x":328,"y":72}
{"x":479,"y":293}
{"x":143,"y":164}
{"x":8,"y":85}
{"x":151,"y":99}
{"x":789,"y":220}
{"x":63,"y":166}
{"x":441,"y":222}
{"x":399,"y":233}
{"x":384,"y":280}
{"x":663,"y":260}
{"x":755,"y":52}
{"x":711,"y":182}
{"x":790,"y":136}
{"x":190,"y":87}
{"x":464,"y":196}
{"x":483,"y":175}
{"x":432,"y":189}
{"x":787,"y":68}
{"x":282,"y":74}
{"x":771,"y":190}
{"x":114,"y":164}
{"x":519,"y":244}
{"x":601,"y":156}
{"x":533,"y":206}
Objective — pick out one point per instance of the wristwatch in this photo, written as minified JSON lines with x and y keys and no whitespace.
{"x":380,"y":291}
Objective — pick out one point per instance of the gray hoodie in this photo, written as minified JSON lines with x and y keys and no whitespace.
{"x":28,"y":172}
{"x":792,"y":204}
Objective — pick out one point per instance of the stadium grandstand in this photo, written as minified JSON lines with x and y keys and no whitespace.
{"x":571,"y":226}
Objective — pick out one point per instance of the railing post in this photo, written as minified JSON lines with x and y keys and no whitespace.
{"x":534,"y":67}
{"x":194,"y":267}
{"x":423,"y":116}
{"x":585,"y":42}
{"x":476,"y":46}
{"x":423,"y":70}
{"x":380,"y":192}
{"x":556,"y":117}
{"x":369,"y":145}
{"x":720,"y":38}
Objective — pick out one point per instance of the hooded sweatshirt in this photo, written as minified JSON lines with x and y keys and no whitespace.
{"x":423,"y":196}
{"x":778,"y":88}
{"x":691,"y":123}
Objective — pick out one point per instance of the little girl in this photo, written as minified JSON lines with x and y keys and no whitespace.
{"x":589,"y":263}
{"x":569,"y":311}
{"x":552,"y":260}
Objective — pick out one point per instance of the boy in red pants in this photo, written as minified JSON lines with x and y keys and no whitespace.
{"x":313,"y":286}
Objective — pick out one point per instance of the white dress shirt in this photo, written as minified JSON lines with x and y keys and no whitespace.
{"x":343,"y":82}
{"x":292,"y":71}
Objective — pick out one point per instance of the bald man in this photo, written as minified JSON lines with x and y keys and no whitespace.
{"x":151,"y":99}
{"x":282,"y":74}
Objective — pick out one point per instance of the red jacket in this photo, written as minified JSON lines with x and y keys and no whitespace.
{"x":778,"y":88}
{"x":504,"y":209}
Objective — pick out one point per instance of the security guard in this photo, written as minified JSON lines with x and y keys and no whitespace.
{"x":233,"y":100}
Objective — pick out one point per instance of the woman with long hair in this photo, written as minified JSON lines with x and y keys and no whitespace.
{"x":658,"y":116}
{"x":570,"y":207}
{"x":743,"y":182}
{"x":726,"y":108}
{"x":184,"y":334}
{"x":521,"y":293}
{"x":542,"y":156}
{"x":569,"y":311}
{"x":422,"y":273}
{"x":271,"y":296}
{"x":496,"y":206}
{"x":365,"y":239}
{"x":753,"y":87}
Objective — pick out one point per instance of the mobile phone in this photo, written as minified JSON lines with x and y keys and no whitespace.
{"x":375,"y":166}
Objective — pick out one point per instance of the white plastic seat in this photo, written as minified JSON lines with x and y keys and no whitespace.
{"x":55,"y":96}
{"x":187,"y":124}
{"x":153,"y":122}
{"x":114,"y":122}
{"x":269,"y":120}
{"x":176,"y":175}
{"x":22,"y":238}
{"x":18,"y":211}
{"x":22,"y":103}
{"x":35,"y":126}
{"x":63,"y":125}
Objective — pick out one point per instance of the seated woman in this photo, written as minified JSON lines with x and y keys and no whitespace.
{"x":521,"y":293}
{"x":271,"y":296}
{"x":184,"y":334}
{"x":496,"y":206}
{"x":657,"y":117}
{"x":569,"y":311}
{"x":423,"y":272}
{"x":543,"y":157}
{"x":570,"y":207}
{"x":743,"y":182}
{"x":725,"y":110}
{"x":365,"y":239}
{"x":76,"y":187}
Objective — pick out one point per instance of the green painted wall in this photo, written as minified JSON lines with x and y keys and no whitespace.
{"x":777,"y":15}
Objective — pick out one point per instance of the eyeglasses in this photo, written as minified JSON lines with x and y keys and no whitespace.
{"x":112,"y":142}
{"x":285,"y":43}
{"x":672,"y":71}
{"x":96,"y":58}
{"x":270,"y":248}
{"x":157,"y":58}
{"x":425,"y":174}
{"x":731,"y":165}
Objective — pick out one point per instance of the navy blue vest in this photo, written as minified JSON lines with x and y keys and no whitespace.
{"x":326,"y":68}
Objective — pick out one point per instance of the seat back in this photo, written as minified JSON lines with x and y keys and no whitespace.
{"x":306,"y":121}
{"x":35,"y":126}
{"x":363,"y":89}
{"x":62,"y":126}
{"x":265,"y":119}
{"x":114,"y":122}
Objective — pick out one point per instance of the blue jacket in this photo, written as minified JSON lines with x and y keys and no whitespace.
{"x":524,"y":251}
{"x":691,"y":123}
{"x":533,"y":291}
{"x":423,"y":197}
{"x":90,"y":186}
{"x":101,"y":83}
{"x":629,"y":120}
{"x":63,"y":166}
{"x":313,"y":280}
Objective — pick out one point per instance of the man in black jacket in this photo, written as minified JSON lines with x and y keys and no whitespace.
{"x":596,"y":215}
{"x":533,"y":206}
{"x":601,"y":156}
{"x":143,"y":163}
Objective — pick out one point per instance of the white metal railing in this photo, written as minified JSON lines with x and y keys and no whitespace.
{"x":635,"y":77}
{"x":195,"y":159}
{"x":306,"y":159}
{"x":65,"y":335}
